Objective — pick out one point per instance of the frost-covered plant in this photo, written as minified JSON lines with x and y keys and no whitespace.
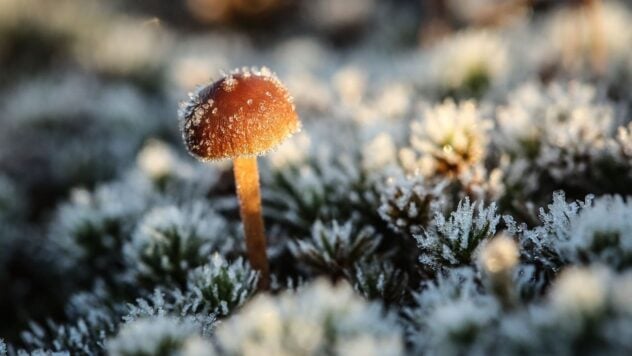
{"x":592,"y":231}
{"x":171,"y":240}
{"x":91,"y":319}
{"x":557,"y":137}
{"x":469,"y":63}
{"x":602,"y":233}
{"x":564,"y":116}
{"x":93,"y":129}
{"x":453,"y":241}
{"x":93,"y":228}
{"x":379,"y":280}
{"x":330,"y":184}
{"x":219,"y":287}
{"x":588,"y":310}
{"x":319,"y":319}
{"x":600,"y":37}
{"x":409,"y":201}
{"x":158,"y":336}
{"x":334,"y":248}
{"x":449,"y":139}
{"x":452,"y":314}
{"x":169,"y":303}
{"x":581,"y":313}
{"x":81,"y":337}
{"x":212,"y":290}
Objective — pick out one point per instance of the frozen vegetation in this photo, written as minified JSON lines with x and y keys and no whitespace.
{"x":468,"y":195}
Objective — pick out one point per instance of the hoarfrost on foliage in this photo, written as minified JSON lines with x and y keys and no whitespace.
{"x":469,"y":63}
{"x":453,"y":241}
{"x":112,"y":239}
{"x":170,"y":240}
{"x":158,"y":336}
{"x":319,"y":318}
{"x":592,"y":231}
{"x":333,"y":247}
{"x":219,"y":287}
{"x":408,"y":202}
{"x":450,"y":138}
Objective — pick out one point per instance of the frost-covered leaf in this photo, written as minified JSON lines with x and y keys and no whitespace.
{"x":452,"y":241}
{"x":333,"y":247}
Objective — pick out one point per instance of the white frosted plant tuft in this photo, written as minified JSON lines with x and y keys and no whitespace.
{"x":319,"y":318}
{"x":219,"y":287}
{"x":469,"y":63}
{"x":592,"y":231}
{"x":454,"y":240}
{"x":171,"y":240}
{"x":408,"y":202}
{"x":158,"y":336}
{"x":449,"y":139}
{"x":334,"y":247}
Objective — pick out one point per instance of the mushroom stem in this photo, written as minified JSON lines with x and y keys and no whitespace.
{"x":247,"y":182}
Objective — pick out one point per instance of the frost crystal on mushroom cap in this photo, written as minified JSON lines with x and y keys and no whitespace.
{"x":246,"y":113}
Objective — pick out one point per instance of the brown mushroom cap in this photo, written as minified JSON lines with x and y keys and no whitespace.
{"x":245,"y":113}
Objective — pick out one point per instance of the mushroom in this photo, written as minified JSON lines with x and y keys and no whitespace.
{"x":241,"y":116}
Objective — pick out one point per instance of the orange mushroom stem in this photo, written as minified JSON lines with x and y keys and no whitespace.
{"x":239,"y":117}
{"x":247,"y":183}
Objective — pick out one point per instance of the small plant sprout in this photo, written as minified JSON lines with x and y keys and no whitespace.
{"x":239,"y":117}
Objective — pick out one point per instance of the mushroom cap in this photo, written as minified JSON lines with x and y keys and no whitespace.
{"x":246,"y":113}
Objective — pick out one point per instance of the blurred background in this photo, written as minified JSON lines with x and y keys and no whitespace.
{"x":86,"y":87}
{"x":84,"y":83}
